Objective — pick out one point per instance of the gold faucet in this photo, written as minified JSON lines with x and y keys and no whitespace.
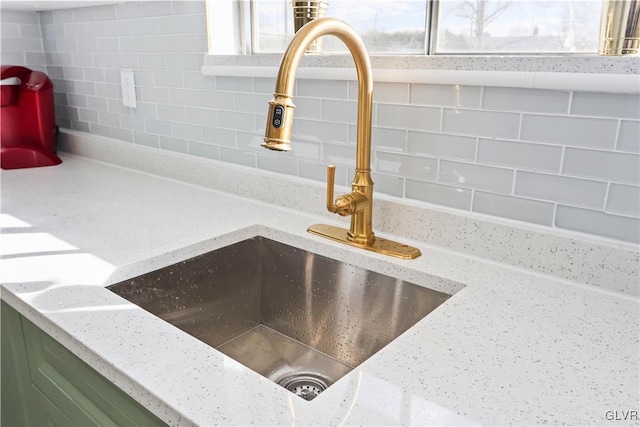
{"x":359,"y":203}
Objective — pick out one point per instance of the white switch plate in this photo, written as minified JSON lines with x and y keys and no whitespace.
{"x":128,"y":85}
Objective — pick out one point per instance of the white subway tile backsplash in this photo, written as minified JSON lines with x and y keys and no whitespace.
{"x":318,"y":172}
{"x":419,"y":168}
{"x":202,"y":116}
{"x":173,"y":144}
{"x":168,"y":78}
{"x":117,"y":28}
{"x":339,"y":111}
{"x":108,"y":119}
{"x":249,"y":141}
{"x":307,"y":108}
{"x":481,"y":123}
{"x":575,"y":131}
{"x":279,"y":164}
{"x":78,"y":100}
{"x":143,"y":27}
{"x":606,"y":165}
{"x":128,"y":10}
{"x":236,"y":84}
{"x":93,"y":74}
{"x":444,"y":195}
{"x":252,"y":103}
{"x":66,"y":86}
{"x":513,"y":208}
{"x":146,"y":110}
{"x":239,"y":157}
{"x":176,"y":113}
{"x":387,"y":92}
{"x":562,"y":189}
{"x":32,"y":31}
{"x":113,"y":105}
{"x":12,"y":57}
{"x":338,"y":155}
{"x":100,"y":129}
{"x":236,"y":121}
{"x":64,"y":45}
{"x":195,"y":80}
{"x":221,"y":137}
{"x":388,"y":139}
{"x":11,"y":29}
{"x":519,"y":154}
{"x":599,"y":223}
{"x":82,"y":14}
{"x":95,"y":29}
{"x":158,"y":127}
{"x":104,"y":13}
{"x":409,"y":117}
{"x":104,"y":60}
{"x":322,"y":131}
{"x":156,"y":95}
{"x":56,"y":72}
{"x":321,"y":88}
{"x":525,"y":100}
{"x":121,"y":134}
{"x":51,"y":32}
{"x":446,"y":95}
{"x":62,"y":16}
{"x":606,"y":105}
{"x":84,"y":127}
{"x":187,"y":131}
{"x":108,"y":45}
{"x":476,"y":176}
{"x":36,"y":60}
{"x":264,"y":85}
{"x":184,"y":24}
{"x":204,"y":150}
{"x":629,"y":136}
{"x":187,"y":62}
{"x":156,"y":8}
{"x":188,"y":7}
{"x":218,"y":99}
{"x":112,"y":76}
{"x":87,"y":115}
{"x":126,"y":60}
{"x":146,"y":139}
{"x":441,"y":145}
{"x":186,"y":97}
{"x":261,"y":121}
{"x":391,"y":185}
{"x":132,"y":123}
{"x":301,"y":149}
{"x":624,"y":199}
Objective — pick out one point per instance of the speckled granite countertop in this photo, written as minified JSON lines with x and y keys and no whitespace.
{"x":510,"y":347}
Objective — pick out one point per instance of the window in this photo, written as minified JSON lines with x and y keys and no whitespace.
{"x":426,"y":27}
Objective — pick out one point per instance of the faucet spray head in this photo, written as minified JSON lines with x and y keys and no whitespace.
{"x":279,"y":121}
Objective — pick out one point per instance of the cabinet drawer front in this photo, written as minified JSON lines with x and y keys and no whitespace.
{"x":83,"y":395}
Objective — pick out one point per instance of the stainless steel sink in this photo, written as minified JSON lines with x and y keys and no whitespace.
{"x":298,"y":318}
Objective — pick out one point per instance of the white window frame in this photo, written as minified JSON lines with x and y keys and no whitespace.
{"x":591,"y":72}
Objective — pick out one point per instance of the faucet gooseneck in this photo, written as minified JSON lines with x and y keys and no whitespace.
{"x":359,"y":203}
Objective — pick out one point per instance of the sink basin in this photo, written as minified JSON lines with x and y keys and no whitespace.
{"x":298,"y":318}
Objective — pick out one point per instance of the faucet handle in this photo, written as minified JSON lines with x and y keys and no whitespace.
{"x":343,"y":205}
{"x":331,"y":178}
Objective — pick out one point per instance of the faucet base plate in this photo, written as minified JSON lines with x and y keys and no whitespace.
{"x":380,"y":245}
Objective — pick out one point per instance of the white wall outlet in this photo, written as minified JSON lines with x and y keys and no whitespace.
{"x":128,"y":86}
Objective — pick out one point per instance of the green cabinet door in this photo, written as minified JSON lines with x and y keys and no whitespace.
{"x":51,"y":386}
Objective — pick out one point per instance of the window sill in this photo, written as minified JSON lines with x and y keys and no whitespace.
{"x":571,"y":72}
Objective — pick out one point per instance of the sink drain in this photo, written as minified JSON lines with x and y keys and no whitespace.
{"x":305,"y":386}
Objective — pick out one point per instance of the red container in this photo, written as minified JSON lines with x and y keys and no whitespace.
{"x":27,"y":119}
